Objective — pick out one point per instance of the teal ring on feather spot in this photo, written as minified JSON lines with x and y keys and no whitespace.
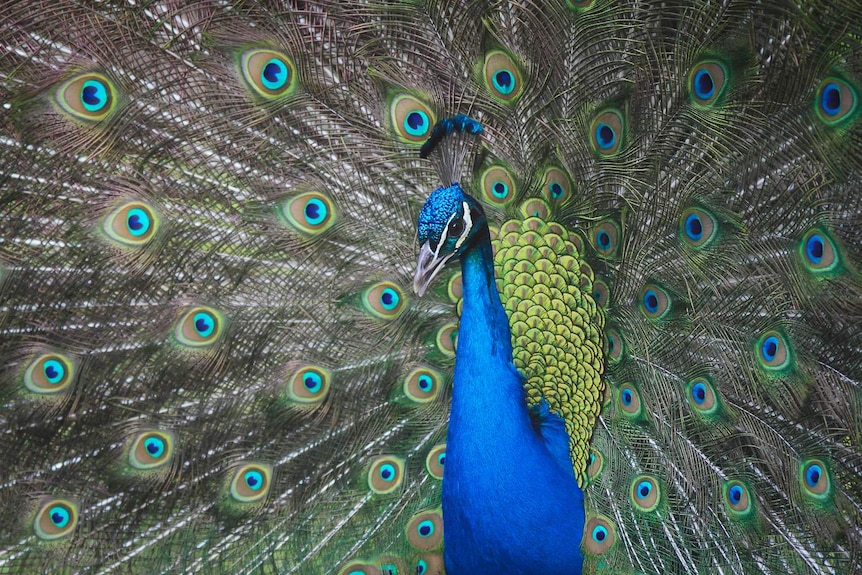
{"x":645,"y":493}
{"x":410,"y":118}
{"x":417,"y":123}
{"x":150,"y":449}
{"x":384,"y":300}
{"x":315,"y":212}
{"x":154,"y":446}
{"x":605,"y":238}
{"x":309,"y":385}
{"x":95,"y":95}
{"x":57,"y":518}
{"x":556,"y":184}
{"x":425,"y":530}
{"x":311,"y":213}
{"x":49,"y":373}
{"x":205,"y":323}
{"x":270,"y":74}
{"x":313,"y":381}
{"x":138,"y":222}
{"x":199,"y":327}
{"x":502,"y":77}
{"x":251,"y":482}
{"x":595,"y":465}
{"x":435,"y":462}
{"x":421,"y":385}
{"x":275,"y":74}
{"x":498,"y":185}
{"x":89,"y":96}
{"x":599,"y":535}
{"x":54,"y":371}
{"x":132,"y":224}
{"x":386,"y":474}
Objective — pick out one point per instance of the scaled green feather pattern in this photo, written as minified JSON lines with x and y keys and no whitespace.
{"x":546,"y":287}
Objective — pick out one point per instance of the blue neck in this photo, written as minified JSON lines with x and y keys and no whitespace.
{"x":508,"y":506}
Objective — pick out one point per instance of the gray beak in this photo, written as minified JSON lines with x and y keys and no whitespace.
{"x":428,"y":264}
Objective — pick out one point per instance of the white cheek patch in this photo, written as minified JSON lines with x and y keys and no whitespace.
{"x":468,"y":225}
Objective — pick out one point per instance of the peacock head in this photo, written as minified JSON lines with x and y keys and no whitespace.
{"x":448,"y":224}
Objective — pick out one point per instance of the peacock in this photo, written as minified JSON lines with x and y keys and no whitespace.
{"x":267,"y":268}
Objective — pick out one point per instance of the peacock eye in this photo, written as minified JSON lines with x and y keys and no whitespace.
{"x":456,"y":228}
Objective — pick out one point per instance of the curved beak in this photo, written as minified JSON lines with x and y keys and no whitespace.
{"x":428,"y":264}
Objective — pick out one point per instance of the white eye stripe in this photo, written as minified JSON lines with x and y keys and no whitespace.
{"x":468,"y":224}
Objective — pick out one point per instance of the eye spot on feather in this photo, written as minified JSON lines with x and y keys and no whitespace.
{"x":430,"y":564}
{"x":49,"y":373}
{"x":629,"y":400}
{"x":384,"y":300}
{"x":310,"y":213}
{"x":498,"y":185}
{"x":268,"y":73}
{"x":535,"y":208}
{"x":697,"y":227}
{"x":57,"y":518}
{"x":836,"y":101}
{"x":386,"y":475}
{"x":411,"y":119}
{"x":556,"y":185}
{"x":422,"y":385}
{"x":818,"y":252}
{"x":150,"y":450}
{"x":447,"y":338}
{"x":701,"y":396}
{"x":425,"y":530}
{"x":90,"y":97}
{"x":251,"y":482}
{"x":601,"y":293}
{"x":436,"y":461}
{"x":132,"y":224}
{"x":599,"y":535}
{"x":815,"y":479}
{"x":199,"y":327}
{"x":605,"y":237}
{"x":595,"y":465}
{"x":614,"y":346}
{"x":645,"y":493}
{"x":502,"y":77}
{"x":606,"y":133}
{"x":359,"y":568}
{"x":309,"y":384}
{"x":737,"y":499}
{"x":773,"y":352}
{"x":706,"y":82}
{"x":654,"y":302}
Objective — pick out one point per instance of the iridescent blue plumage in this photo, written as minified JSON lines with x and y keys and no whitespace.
{"x":510,"y":502}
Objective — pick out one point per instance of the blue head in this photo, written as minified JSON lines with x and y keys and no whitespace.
{"x":448,"y":224}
